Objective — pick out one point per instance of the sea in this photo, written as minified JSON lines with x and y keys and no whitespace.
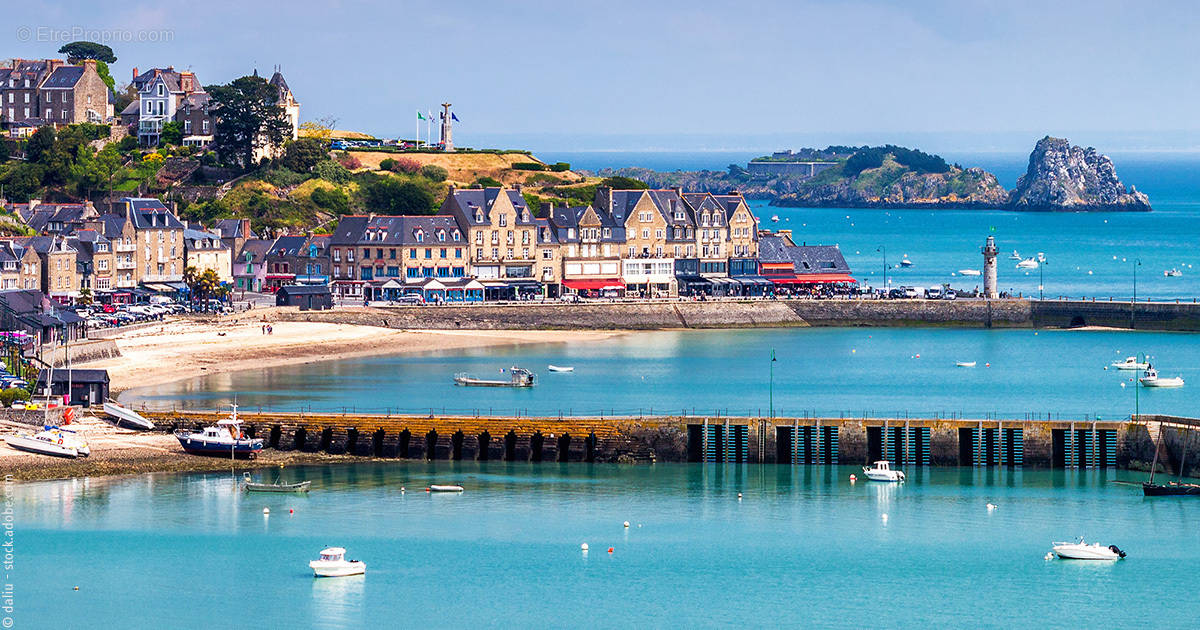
{"x":707,"y":545}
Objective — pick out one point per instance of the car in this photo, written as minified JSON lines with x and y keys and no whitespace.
{"x":18,"y":404}
{"x":933,"y":293}
{"x":411,"y":299}
{"x":910,"y":292}
{"x":895,"y":293}
{"x":950,"y":294}
{"x":570,"y":297}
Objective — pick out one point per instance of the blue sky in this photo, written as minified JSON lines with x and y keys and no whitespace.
{"x":619,"y":74}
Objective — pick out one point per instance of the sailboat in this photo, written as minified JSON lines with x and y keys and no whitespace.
{"x":1171,"y":488}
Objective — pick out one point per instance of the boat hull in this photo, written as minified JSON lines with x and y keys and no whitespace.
{"x":273,"y":487}
{"x":881,"y":476}
{"x":42,"y":447}
{"x":1171,"y":490}
{"x":337,"y":569}
{"x":128,"y":416}
{"x":445,"y":488}
{"x":1162,"y":382}
{"x":1085,"y":552}
{"x":476,"y":382}
{"x":194,"y":445}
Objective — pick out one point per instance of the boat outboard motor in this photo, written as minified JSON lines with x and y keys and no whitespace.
{"x":1116,"y":550}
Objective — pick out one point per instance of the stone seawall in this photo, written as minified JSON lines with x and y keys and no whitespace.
{"x":82,"y":352}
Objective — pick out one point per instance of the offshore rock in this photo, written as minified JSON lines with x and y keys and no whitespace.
{"x":1061,"y":177}
{"x":877,"y":188}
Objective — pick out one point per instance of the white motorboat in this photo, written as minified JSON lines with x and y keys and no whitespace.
{"x":225,"y":439}
{"x":882,"y":471}
{"x":964,"y":364}
{"x":1172,"y":273}
{"x":775,"y":218}
{"x":52,"y":440}
{"x":1082,"y":551}
{"x":333,"y":563}
{"x":1130,"y":363}
{"x":445,"y":488}
{"x":128,"y":416}
{"x":905,"y":262}
{"x":1015,"y":256}
{"x":560,"y":368}
{"x":968,"y":272}
{"x":1150,"y":378}
{"x":1028,"y":263}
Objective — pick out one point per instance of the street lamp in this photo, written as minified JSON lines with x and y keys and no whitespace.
{"x":772,"y":388}
{"x":885,"y":252}
{"x":1137,"y":262}
{"x":1041,"y":279}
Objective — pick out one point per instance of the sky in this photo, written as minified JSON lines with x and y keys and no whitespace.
{"x":624,"y":75}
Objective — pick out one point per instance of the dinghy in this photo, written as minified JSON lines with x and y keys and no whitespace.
{"x":560,"y":368}
{"x":968,"y":272}
{"x":964,"y":363}
{"x":439,"y":488}
{"x":279,"y":486}
{"x":128,"y":416}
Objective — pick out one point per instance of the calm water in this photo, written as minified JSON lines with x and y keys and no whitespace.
{"x":803,"y":548}
{"x":1089,"y":254}
{"x":820,"y":370}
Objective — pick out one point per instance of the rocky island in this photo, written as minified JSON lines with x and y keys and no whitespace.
{"x":1060,"y":177}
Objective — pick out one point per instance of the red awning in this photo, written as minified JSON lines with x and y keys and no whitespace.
{"x":602,"y":283}
{"x":815,"y":278}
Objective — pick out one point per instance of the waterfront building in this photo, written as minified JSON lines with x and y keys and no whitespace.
{"x":250,"y":265}
{"x":501,"y":235}
{"x":279,"y":262}
{"x":157,"y":242}
{"x":801,"y":268}
{"x":95,"y":262}
{"x":549,"y":259}
{"x":204,"y":250}
{"x":384,"y":257}
{"x":589,"y":249}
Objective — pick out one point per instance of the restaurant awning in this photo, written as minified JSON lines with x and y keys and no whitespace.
{"x":527,"y":284}
{"x":815,"y":278}
{"x":594,"y":284}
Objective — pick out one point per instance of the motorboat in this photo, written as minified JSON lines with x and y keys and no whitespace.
{"x":224,"y":439}
{"x":968,"y":272}
{"x":445,"y":488}
{"x":774,"y":218}
{"x":1028,"y":263}
{"x":882,"y":471}
{"x":905,"y":262}
{"x":1041,"y":257}
{"x":128,"y":416}
{"x":333,"y":563}
{"x":279,"y":486}
{"x":1130,"y":363}
{"x":51,"y":440}
{"x":1082,"y":551}
{"x":964,"y":364}
{"x":1015,"y":256}
{"x":1150,"y":378}
{"x":518,"y":377}
{"x":1172,"y":273}
{"x":560,"y":368}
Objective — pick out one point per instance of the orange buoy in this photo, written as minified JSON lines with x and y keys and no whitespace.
{"x":610,"y":550}
{"x":428,"y":490}
{"x":291,"y":511}
{"x":853,"y":478}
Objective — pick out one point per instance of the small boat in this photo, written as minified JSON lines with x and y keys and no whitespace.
{"x":774,"y":218}
{"x":1150,"y":378}
{"x":1170,"y":489}
{"x":128,"y":416}
{"x":1015,"y":256}
{"x":518,"y":377}
{"x":443,"y":488}
{"x":882,"y":471}
{"x":225,"y":439}
{"x":251,"y":486}
{"x":1130,"y":363}
{"x":905,"y":262}
{"x":1083,"y":551}
{"x":560,"y":368}
{"x":968,"y":272}
{"x":333,"y":563}
{"x":51,"y":440}
{"x":964,"y":364}
{"x":1172,"y":273}
{"x":1028,"y":263}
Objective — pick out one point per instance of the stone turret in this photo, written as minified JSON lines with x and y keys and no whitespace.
{"x":989,"y":269}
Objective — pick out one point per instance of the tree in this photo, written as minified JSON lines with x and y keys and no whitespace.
{"x":22,"y":181}
{"x":102,"y":70}
{"x":250,"y":117}
{"x":620,"y":182}
{"x":331,"y":199}
{"x":172,"y":133}
{"x":302,"y":154}
{"x":86,"y":173}
{"x":388,"y":195}
{"x":38,"y":148}
{"x":77,"y":51}
{"x":332,"y":172}
{"x":202,"y":285}
{"x":124,"y":97}
{"x":85,"y":297}
{"x":434,"y":173}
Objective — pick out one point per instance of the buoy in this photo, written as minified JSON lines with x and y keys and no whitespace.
{"x":987,"y":365}
{"x":77,"y":588}
{"x":853,"y":478}
{"x":583,"y":546}
{"x":610,"y":550}
{"x":884,"y":517}
{"x":266,"y":510}
{"x":427,"y":490}
{"x":918,"y":356}
{"x":626,"y":524}
{"x":291,"y":511}
{"x":739,"y":495}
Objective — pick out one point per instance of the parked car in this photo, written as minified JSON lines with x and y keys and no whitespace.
{"x":950,"y":294}
{"x":410,"y":299}
{"x":570,"y":297}
{"x":910,"y":292}
{"x":895,"y":293}
{"x":933,"y":293}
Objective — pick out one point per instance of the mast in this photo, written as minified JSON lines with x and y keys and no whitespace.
{"x":1183,"y":462}
{"x":1154,"y":464}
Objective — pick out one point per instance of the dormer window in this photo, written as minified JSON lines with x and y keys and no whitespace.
{"x":525,"y":215}
{"x":420,"y":236}
{"x":457,"y":235}
{"x":441,"y":235}
{"x":479,"y":216}
{"x":503,"y":220}
{"x":679,"y":215}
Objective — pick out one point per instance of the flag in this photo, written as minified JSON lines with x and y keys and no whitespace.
{"x":419,"y":116}
{"x":430,"y":114}
{"x":992,"y":228}
{"x":453,"y":117}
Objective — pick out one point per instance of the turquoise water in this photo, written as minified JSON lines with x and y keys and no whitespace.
{"x":820,"y":371}
{"x":802,"y":548}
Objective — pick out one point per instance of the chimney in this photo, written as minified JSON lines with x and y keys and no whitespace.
{"x":135,"y":72}
{"x":517,"y":187}
{"x":678,"y":190}
{"x":245,"y":228}
{"x":89,"y":63}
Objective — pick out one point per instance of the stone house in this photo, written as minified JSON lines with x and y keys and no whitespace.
{"x":291,"y":109}
{"x":55,"y":218}
{"x":147,"y":239}
{"x":378,"y":257}
{"x":19,"y":89}
{"x":59,"y":278}
{"x":95,"y":260}
{"x":502,"y":236}
{"x":122,"y":238}
{"x":166,"y":95}
{"x":651,"y":219}
{"x":75,"y":94}
{"x":589,"y":248}
{"x":204,"y":250}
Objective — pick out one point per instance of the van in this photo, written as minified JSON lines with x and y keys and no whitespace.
{"x":933,"y":293}
{"x":910,"y":292}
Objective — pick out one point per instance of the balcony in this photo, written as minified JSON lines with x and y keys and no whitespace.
{"x":151,"y":126}
{"x":124,"y":247}
{"x":126,"y":265}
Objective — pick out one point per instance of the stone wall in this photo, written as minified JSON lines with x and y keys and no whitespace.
{"x":1183,"y":316}
{"x":82,"y":352}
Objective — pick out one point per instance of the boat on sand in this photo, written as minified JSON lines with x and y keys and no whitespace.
{"x":51,"y":440}
{"x":128,"y":416}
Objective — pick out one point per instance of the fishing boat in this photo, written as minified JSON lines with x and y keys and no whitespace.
{"x":518,"y":377}
{"x":905,"y":262}
{"x":224,"y":439}
{"x":128,"y":416}
{"x":968,"y":272}
{"x":1015,"y":256}
{"x":1080,"y":550}
{"x":1172,"y":273}
{"x":278,"y":486}
{"x":964,"y":364}
{"x":1150,"y":378}
{"x":445,"y":488}
{"x":1130,"y":363}
{"x":333,"y":563}
{"x":1172,"y":488}
{"x":51,"y":440}
{"x":1028,"y":263}
{"x":560,"y":368}
{"x":882,"y":471}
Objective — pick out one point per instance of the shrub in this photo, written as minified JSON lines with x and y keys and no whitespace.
{"x":283,"y":177}
{"x":331,"y":199}
{"x":487,"y":182}
{"x":303,"y":154}
{"x":127,"y":144}
{"x":559,"y":167}
{"x":332,"y":172}
{"x":406,"y":165}
{"x":11,"y":395}
{"x":387,"y":164}
{"x":348,"y":161}
{"x":434,"y":173}
{"x":528,"y":166}
{"x":389,"y":195}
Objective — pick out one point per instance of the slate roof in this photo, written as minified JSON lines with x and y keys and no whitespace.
{"x":63,"y":77}
{"x":208,"y":240}
{"x":804,"y":258}
{"x":229,"y":228}
{"x":151,"y":213}
{"x":43,"y":214}
{"x":287,"y":246}
{"x":394,"y":230}
{"x":257,"y":248}
{"x":465,"y":203}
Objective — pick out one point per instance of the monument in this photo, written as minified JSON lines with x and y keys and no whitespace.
{"x":447,"y":128}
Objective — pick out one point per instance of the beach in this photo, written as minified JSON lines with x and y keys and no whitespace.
{"x":183,"y":349}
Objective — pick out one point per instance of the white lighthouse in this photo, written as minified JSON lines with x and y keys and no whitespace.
{"x":989,"y":269}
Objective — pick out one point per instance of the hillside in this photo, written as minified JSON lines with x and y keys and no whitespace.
{"x":465,"y":168}
{"x":892,"y":184}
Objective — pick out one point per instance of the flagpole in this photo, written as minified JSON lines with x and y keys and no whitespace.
{"x":429,"y":129}
{"x":418,"y":130}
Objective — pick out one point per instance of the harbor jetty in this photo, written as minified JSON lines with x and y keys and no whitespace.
{"x":1038,"y":442}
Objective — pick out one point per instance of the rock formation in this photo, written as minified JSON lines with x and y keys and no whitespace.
{"x":1062,"y":177}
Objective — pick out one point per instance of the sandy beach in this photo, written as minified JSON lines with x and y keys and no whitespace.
{"x":185,"y":349}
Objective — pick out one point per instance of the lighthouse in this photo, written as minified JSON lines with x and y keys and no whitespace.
{"x":989,"y":269}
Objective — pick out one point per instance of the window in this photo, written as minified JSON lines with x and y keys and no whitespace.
{"x":457,"y":272}
{"x":658,"y":233}
{"x":547,"y":254}
{"x":160,"y":90}
{"x":366,"y":253}
{"x":645,"y":232}
{"x":393,"y":272}
{"x":457,"y":235}
{"x":412,"y":253}
{"x":412,"y":272}
{"x":426,"y":272}
{"x":503,"y":220}
{"x":458,"y":252}
{"x":441,"y":235}
{"x":365,"y":273}
{"x":420,"y":236}
{"x":204,"y":126}
{"x":428,"y":253}
{"x":479,"y":216}
{"x":442,"y":253}
{"x":443,"y":272}
{"x":392,"y":253}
